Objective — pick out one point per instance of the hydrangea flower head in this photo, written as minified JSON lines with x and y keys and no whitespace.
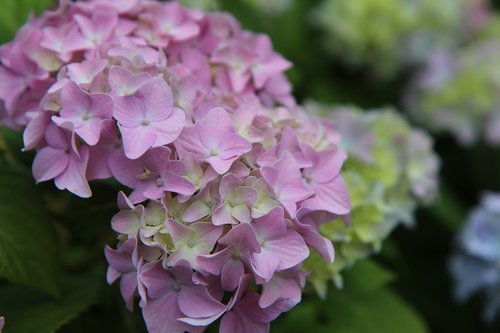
{"x":229,"y":180}
{"x":249,"y":212}
{"x":390,"y":170}
{"x":120,"y":82}
{"x":456,"y":91}
{"x":405,"y":31}
{"x":475,"y":263}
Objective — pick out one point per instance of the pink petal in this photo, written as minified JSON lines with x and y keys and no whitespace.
{"x":265,"y":264}
{"x":102,"y":105}
{"x":279,"y":287}
{"x":213,"y":263}
{"x":196,"y":211}
{"x":290,"y":249}
{"x":90,"y":131}
{"x":74,"y":101}
{"x":11,"y":86}
{"x":236,"y":322}
{"x":223,"y":215}
{"x":123,"y":169}
{"x":266,"y":69}
{"x":185,"y":31}
{"x":127,"y":220}
{"x":123,"y":82}
{"x":86,"y":71}
{"x":161,"y":316}
{"x":136,"y":141}
{"x":227,"y":185}
{"x":158,"y":99}
{"x":121,"y":260}
{"x":177,"y":231}
{"x":221,"y":166}
{"x":332,"y":197}
{"x":157,"y":280}
{"x":241,"y":236}
{"x":73,"y":178}
{"x":242,"y":213}
{"x":56,"y":137}
{"x":272,"y":225}
{"x":128,"y":289}
{"x":196,"y":302}
{"x":49,"y":163}
{"x":231,"y":273}
{"x":34,"y":133}
{"x":169,"y":129}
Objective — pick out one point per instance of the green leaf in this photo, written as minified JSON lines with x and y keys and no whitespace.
{"x":364,"y":305}
{"x":448,"y":209}
{"x":351,"y":312}
{"x":28,"y":246}
{"x":27,"y":310}
{"x":367,"y":276}
{"x":380,"y":311}
{"x":11,"y":145}
{"x":14,"y":13}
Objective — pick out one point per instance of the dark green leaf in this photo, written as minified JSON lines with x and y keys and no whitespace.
{"x":365,"y":305}
{"x":367,"y":276}
{"x":28,"y":246}
{"x":448,"y":209}
{"x":27,"y":310}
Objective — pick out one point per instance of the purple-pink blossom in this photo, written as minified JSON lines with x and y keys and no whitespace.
{"x":228,"y":179}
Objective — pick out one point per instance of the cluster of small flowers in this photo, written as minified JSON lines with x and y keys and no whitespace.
{"x":214,"y":224}
{"x":475,"y":266}
{"x":404,"y":32}
{"x":456,"y":91}
{"x":390,"y":171}
{"x":73,"y":74}
{"x":228,"y":187}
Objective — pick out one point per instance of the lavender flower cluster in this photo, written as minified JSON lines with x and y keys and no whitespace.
{"x":229,"y":179}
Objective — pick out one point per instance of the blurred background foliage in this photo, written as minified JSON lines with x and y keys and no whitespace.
{"x":405,"y":288}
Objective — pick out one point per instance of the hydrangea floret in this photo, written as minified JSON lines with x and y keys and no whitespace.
{"x":229,"y":180}
{"x":390,"y":171}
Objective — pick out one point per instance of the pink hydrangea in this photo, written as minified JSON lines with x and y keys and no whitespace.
{"x":229,"y":180}
{"x":213,"y":214}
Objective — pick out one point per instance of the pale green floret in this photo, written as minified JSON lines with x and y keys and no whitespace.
{"x":401,"y":174}
{"x":386,"y":34}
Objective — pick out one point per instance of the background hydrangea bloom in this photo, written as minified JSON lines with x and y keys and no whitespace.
{"x":475,"y":265}
{"x":457,"y":90}
{"x":391,"y":169}
{"x":386,"y":35}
